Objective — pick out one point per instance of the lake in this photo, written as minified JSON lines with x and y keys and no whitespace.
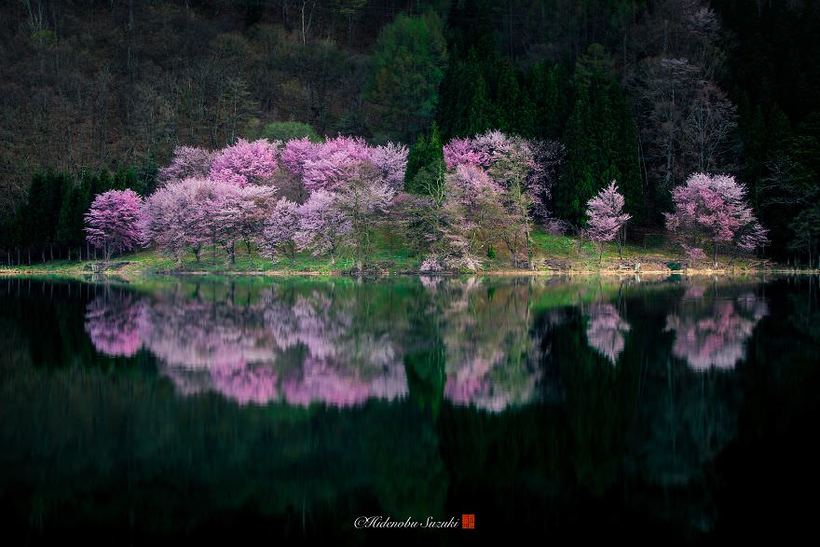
{"x":670,"y":411}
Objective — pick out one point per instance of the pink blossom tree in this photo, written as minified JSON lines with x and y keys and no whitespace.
{"x":239,"y":214}
{"x":182,"y":216}
{"x":606,"y":218}
{"x":297,"y":152}
{"x":280,"y":229}
{"x":713,"y":209}
{"x":524,"y":170}
{"x":322,"y":225}
{"x":462,"y":151}
{"x":245,"y":163}
{"x":364,"y":202}
{"x":187,"y":162}
{"x":113,"y":222}
{"x":334,"y":163}
{"x":391,"y":161}
{"x":471,"y":216}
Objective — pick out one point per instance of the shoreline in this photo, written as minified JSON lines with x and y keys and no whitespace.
{"x":79,"y":272}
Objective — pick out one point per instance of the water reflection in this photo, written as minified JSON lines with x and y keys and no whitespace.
{"x":711,"y":332}
{"x":338,"y":347}
{"x":312,"y":401}
{"x":606,"y":330}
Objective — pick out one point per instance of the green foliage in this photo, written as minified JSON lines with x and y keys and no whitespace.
{"x":424,"y":160}
{"x":551,"y":89}
{"x":601,"y":141}
{"x":285,"y":131}
{"x":408,"y":65}
{"x":467,"y":107}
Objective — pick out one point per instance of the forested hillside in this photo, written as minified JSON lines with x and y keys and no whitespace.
{"x":96,"y":95}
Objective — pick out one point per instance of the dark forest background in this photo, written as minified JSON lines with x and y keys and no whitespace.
{"x":96,"y":94}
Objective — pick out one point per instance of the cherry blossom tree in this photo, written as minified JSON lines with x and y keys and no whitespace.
{"x":240,"y":214}
{"x":471,"y":216}
{"x":187,"y":162}
{"x":280,"y":228}
{"x":334,"y":163}
{"x":113,"y":222}
{"x":526,"y":170}
{"x":364,"y":202}
{"x":606,"y":217}
{"x":322,"y":225}
{"x":462,"y":151}
{"x":184,"y":216}
{"x":245,"y":163}
{"x":297,"y":152}
{"x":713,"y":209}
{"x":391,"y":161}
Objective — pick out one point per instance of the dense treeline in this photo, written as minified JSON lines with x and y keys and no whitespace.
{"x":49,"y":223}
{"x":638,"y":91}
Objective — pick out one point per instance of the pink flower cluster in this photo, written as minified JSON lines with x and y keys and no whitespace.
{"x":605,"y":214}
{"x":713,"y":209}
{"x":113,"y":222}
{"x":330,"y":165}
{"x":245,"y":163}
{"x":509,"y":160}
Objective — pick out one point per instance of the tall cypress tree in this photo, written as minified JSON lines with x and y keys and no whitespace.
{"x":601,"y":141}
{"x":507,"y":98}
{"x":424,"y":161}
{"x":551,"y":89}
{"x":466,"y":107}
{"x":408,"y":66}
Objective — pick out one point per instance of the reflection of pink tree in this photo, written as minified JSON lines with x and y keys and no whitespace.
{"x":605,"y":331}
{"x":331,"y":383}
{"x":113,"y":323}
{"x":715,"y":337}
{"x":488,"y":345}
{"x":249,"y":384}
{"x":245,"y":352}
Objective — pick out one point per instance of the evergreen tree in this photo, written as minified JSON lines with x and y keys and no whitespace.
{"x":551,"y":90}
{"x":424,"y":161}
{"x":408,"y":66}
{"x":601,"y":141}
{"x":467,"y":108}
{"x":507,"y":100}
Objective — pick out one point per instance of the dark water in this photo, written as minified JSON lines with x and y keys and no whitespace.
{"x":664,"y":412}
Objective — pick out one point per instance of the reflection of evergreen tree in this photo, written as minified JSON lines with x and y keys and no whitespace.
{"x":600,"y":402}
{"x":425,"y":375}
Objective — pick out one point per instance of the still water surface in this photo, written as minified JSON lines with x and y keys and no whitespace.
{"x":675,"y":411}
